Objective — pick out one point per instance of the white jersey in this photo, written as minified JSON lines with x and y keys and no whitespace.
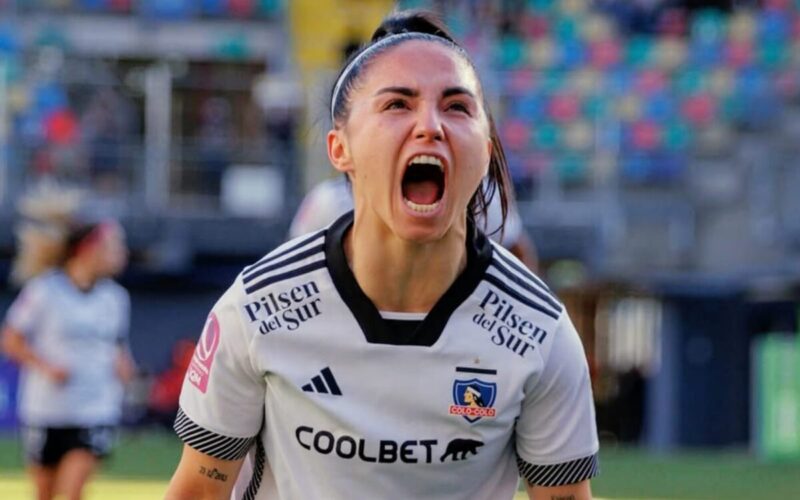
{"x":331,"y":198}
{"x":80,"y":332}
{"x":299,"y":369}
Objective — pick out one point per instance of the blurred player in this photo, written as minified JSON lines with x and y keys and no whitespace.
{"x":68,"y":331}
{"x":398,"y":353}
{"x":332,"y":197}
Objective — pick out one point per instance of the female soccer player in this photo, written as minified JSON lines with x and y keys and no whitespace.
{"x":339,"y":362}
{"x":68,"y":330}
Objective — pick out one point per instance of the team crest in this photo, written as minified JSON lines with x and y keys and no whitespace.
{"x":473,"y":399}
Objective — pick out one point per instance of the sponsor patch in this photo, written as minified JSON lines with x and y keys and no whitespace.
{"x":200,"y":367}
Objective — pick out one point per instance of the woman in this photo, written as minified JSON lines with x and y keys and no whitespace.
{"x":338,"y":363}
{"x":68,"y":331}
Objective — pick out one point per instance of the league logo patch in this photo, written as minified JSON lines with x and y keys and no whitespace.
{"x":473,"y":399}
{"x":200,"y":367}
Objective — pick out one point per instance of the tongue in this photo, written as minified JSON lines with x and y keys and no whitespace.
{"x":421,"y":192}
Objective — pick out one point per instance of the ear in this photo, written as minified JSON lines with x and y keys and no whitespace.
{"x":338,"y":152}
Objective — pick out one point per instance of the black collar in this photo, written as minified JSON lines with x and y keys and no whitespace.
{"x":479,"y":254}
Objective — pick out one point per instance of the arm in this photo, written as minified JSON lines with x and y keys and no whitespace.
{"x":202,"y":477}
{"x":221,"y":408}
{"x":556,"y":434}
{"x":124,"y":365}
{"x":577,"y":491}
{"x":15,"y":346}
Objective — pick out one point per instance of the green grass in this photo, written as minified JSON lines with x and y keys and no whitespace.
{"x":138,"y":455}
{"x":18,"y":488}
{"x":631,"y":473}
{"x":143,"y":463}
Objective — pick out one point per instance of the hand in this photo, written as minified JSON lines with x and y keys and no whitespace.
{"x":57,"y":374}
{"x":124,"y":367}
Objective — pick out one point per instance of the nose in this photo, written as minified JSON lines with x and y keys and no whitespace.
{"x":429,"y":124}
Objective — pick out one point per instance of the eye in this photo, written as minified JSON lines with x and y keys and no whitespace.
{"x":396,"y":104}
{"x":459,"y":106}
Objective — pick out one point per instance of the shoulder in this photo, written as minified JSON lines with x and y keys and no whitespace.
{"x":284,"y":279}
{"x":288,"y":261}
{"x":115,"y":290}
{"x":43,"y":284}
{"x":511,"y":276}
{"x":45,"y":279}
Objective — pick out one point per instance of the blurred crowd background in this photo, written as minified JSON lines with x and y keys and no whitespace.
{"x":654,"y":147}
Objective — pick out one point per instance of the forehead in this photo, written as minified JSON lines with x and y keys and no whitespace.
{"x":419,"y":63}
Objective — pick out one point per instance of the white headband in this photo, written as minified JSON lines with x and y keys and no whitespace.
{"x":473,"y":391}
{"x":380,"y":44}
{"x":358,"y":60}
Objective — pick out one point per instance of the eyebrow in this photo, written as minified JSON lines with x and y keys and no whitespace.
{"x":409,"y":92}
{"x":457,"y":91}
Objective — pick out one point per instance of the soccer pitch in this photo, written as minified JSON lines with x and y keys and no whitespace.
{"x":143,"y":462}
{"x":17,"y":488}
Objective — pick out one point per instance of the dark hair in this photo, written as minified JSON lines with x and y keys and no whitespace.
{"x":76,"y":235}
{"x":478,"y":397}
{"x":424,"y":25}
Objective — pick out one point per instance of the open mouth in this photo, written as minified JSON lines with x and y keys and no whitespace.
{"x":423,"y":183}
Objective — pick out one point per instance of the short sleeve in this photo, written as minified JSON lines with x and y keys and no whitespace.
{"x":27,"y":309}
{"x":222,"y":399}
{"x":556,"y":434}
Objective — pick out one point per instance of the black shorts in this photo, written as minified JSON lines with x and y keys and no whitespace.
{"x":47,"y":445}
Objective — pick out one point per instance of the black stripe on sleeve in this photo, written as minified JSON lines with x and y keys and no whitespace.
{"x":283,"y":263}
{"x":319,"y":264}
{"x":522,"y":282}
{"x":525,"y":272}
{"x":494,"y":280}
{"x":570,"y":472}
{"x":272,"y":257}
{"x":210,"y":443}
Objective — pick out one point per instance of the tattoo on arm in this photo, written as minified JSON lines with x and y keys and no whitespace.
{"x":562,"y":497}
{"x":213,"y":474}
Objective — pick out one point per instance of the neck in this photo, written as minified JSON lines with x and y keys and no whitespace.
{"x":80,"y":274}
{"x":402,"y":276}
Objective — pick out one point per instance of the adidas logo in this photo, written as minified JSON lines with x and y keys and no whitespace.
{"x":324,"y":383}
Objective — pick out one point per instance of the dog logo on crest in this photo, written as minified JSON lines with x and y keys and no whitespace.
{"x":473,"y":399}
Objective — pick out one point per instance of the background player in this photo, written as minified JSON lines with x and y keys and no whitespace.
{"x":413,"y":134}
{"x":68,"y":331}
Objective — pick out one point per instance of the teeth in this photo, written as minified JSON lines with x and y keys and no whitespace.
{"x":423,"y":209}
{"x":427,"y":159}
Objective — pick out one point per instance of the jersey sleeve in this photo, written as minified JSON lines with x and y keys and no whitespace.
{"x":222,"y":399}
{"x":556,"y":434}
{"x":27,"y":309}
